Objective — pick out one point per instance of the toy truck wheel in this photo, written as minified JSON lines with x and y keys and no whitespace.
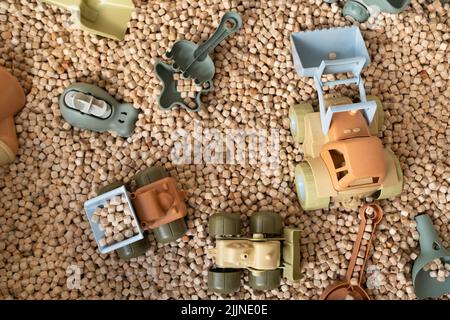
{"x":109,"y":187}
{"x":224,"y":224}
{"x":306,"y":189}
{"x":393,"y":190}
{"x":378,"y":121}
{"x":354,"y":11}
{"x":266,"y":223}
{"x":297,"y":120}
{"x":150,"y":175}
{"x":224,"y":280}
{"x":134,"y":250}
{"x":171,"y":231}
{"x":265,"y":280}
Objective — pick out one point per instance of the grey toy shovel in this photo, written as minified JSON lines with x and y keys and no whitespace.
{"x":430,"y":249}
{"x":193,"y":61}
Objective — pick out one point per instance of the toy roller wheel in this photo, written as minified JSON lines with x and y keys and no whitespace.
{"x":224,"y":280}
{"x":306,"y":189}
{"x":396,"y":189}
{"x":134,"y":250}
{"x":150,"y":175}
{"x":378,"y":120}
{"x":109,"y":187}
{"x":171,"y":231}
{"x":354,"y":11}
{"x":266,"y":223}
{"x":265,"y":280}
{"x":224,"y":224}
{"x":297,"y":120}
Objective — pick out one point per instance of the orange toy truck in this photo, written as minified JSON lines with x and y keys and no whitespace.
{"x":155,"y":204}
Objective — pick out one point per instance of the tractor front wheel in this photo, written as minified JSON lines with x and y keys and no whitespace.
{"x":135,"y":249}
{"x":267,"y":223}
{"x":265,"y":280}
{"x":109,"y":187}
{"x":224,"y":224}
{"x":224,"y":280}
{"x":171,"y":231}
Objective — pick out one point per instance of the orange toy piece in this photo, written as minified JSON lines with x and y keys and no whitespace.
{"x":12,"y":99}
{"x":159,"y":203}
{"x":353,"y":157}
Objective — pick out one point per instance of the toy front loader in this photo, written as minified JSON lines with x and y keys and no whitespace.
{"x":344,"y":157}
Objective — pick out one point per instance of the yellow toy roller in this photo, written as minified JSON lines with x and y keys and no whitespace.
{"x":106,"y":18}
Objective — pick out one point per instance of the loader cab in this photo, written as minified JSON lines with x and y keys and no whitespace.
{"x":353,"y":157}
{"x":355,"y":163}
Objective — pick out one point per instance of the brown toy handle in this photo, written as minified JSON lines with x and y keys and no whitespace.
{"x":372,"y":212}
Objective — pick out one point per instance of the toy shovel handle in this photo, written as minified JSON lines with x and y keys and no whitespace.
{"x":229,"y":24}
{"x":376,"y":216}
{"x":429,"y":239}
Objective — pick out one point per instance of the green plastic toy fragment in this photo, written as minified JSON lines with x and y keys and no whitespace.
{"x":192,"y":61}
{"x":431,"y":249}
{"x":86,"y":106}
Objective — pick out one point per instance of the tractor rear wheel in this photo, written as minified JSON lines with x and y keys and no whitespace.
{"x":306,"y":189}
{"x":297,"y":115}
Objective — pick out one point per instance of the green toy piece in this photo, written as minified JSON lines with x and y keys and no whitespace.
{"x":361,"y":10}
{"x":193,"y":61}
{"x":270,"y":252}
{"x":430,"y":249}
{"x":106,"y":18}
{"x":86,"y":106}
{"x":355,"y":11}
